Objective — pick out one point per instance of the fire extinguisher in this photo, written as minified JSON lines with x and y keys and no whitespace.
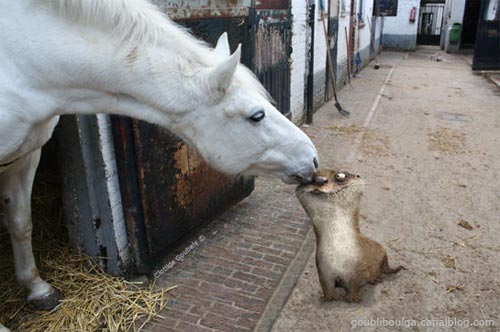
{"x":413,"y":14}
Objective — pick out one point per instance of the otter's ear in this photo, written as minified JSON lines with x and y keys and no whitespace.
{"x":220,"y":77}
{"x":222,"y":48}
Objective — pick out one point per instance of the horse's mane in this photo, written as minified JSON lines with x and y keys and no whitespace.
{"x":139,"y":22}
{"x":135,"y":22}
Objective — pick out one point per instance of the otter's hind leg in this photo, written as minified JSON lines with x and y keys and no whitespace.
{"x":385,"y":268}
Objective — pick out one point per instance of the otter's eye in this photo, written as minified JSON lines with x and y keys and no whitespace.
{"x":340,"y":177}
{"x":258,"y":116}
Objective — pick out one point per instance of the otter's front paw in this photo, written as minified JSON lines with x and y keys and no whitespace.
{"x":328,"y":298}
{"x":353,"y":298}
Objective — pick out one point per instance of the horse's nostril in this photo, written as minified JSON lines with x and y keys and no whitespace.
{"x":316,"y":164}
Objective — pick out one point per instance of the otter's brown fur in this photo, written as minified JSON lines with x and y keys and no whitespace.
{"x":344,"y":257}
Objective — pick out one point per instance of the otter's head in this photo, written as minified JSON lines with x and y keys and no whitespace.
{"x":342,"y":190}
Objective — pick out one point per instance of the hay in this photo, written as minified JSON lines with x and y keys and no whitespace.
{"x":449,"y":261}
{"x":465,"y":224}
{"x":452,"y":288}
{"x":375,"y":143}
{"x":92,"y":301}
{"x":345,"y":130}
{"x":447,"y":141}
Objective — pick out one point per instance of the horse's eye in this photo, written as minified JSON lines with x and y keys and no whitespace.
{"x":258,"y":116}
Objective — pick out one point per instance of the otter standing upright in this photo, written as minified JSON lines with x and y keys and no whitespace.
{"x":344,"y":257}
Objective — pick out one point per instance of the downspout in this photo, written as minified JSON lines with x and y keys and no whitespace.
{"x":310,"y":62}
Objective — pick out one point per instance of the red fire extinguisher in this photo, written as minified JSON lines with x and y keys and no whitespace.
{"x":413,"y":14}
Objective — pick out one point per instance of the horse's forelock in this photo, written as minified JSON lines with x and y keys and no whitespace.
{"x":247,"y":79}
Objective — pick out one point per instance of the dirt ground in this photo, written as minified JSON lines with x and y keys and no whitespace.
{"x":430,"y":157}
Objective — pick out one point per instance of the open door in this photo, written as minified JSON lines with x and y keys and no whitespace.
{"x":487,"y":43}
{"x":430,"y":24}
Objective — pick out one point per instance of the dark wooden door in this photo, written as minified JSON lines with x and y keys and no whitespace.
{"x":167,"y":189}
{"x":470,"y":23}
{"x":271,"y":22}
{"x":487,"y":43}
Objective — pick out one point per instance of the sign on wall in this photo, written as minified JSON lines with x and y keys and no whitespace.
{"x":385,"y":8}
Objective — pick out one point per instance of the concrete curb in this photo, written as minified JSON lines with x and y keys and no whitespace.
{"x":286,"y":285}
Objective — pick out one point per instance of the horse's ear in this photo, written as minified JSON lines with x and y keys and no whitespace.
{"x":221,"y":76}
{"x":222,"y":47}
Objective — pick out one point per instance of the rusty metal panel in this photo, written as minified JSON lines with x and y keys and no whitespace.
{"x":182,"y":9}
{"x":178,"y":190}
{"x":273,"y":34}
{"x":272,"y":4}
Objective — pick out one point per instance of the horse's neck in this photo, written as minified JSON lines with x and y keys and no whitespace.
{"x":86,"y":70}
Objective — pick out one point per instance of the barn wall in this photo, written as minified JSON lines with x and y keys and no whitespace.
{"x":320,"y":68}
{"x":399,"y":32}
{"x":337,"y":23}
{"x":300,"y":40}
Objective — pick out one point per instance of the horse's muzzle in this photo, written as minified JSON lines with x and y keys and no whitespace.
{"x":309,"y":175}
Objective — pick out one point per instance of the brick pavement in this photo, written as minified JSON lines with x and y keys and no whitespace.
{"x":225,"y":283}
{"x":242,"y":260}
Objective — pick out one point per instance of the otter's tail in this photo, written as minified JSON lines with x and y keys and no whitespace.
{"x":389,"y":270}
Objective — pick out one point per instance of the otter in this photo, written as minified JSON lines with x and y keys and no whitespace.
{"x":344,"y":257}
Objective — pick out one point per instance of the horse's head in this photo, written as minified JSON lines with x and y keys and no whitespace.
{"x":238,"y":130}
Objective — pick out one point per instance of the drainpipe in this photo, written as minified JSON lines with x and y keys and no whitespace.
{"x":310,"y":62}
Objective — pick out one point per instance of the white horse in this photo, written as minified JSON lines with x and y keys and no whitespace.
{"x":125,"y":57}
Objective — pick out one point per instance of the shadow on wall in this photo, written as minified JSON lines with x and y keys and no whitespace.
{"x":399,"y":42}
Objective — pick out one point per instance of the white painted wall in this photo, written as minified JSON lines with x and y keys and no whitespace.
{"x":319,"y":58}
{"x":492,"y":9}
{"x":299,"y":60}
{"x":319,"y":42}
{"x":300,"y":43}
{"x":400,"y":25}
{"x":113,"y":186}
{"x":341,"y":44}
{"x":364,"y":33}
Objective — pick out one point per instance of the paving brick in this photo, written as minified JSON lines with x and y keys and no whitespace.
{"x":229,"y":311}
{"x":227,"y":282}
{"x":166,"y":324}
{"x":266,"y":273}
{"x":251,"y":278}
{"x":248,"y":320}
{"x":183,"y":316}
{"x":291,"y":247}
{"x":232,"y":265}
{"x":265,"y":250}
{"x":186,"y":327}
{"x":278,"y":260}
{"x":218,"y":323}
{"x":249,"y":253}
{"x":251,"y":262}
{"x":201,"y":307}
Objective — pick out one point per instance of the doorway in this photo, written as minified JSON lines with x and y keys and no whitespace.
{"x":430,"y":23}
{"x":469,"y":25}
